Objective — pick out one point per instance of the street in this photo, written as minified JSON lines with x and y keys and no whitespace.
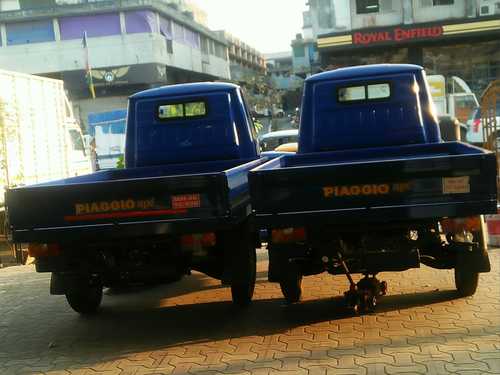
{"x":191,"y":327}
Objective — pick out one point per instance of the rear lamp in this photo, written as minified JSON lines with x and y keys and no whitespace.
{"x":37,"y":250}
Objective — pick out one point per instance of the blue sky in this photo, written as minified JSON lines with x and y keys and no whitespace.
{"x":267,"y":25}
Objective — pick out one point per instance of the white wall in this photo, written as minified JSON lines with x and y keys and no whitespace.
{"x":391,"y":15}
{"x":6,"y":5}
{"x":127,"y":49}
{"x":423,"y":13}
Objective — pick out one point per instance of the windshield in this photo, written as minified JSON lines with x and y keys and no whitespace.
{"x":475,"y":114}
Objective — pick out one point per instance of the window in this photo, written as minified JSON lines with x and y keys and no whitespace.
{"x":204,"y":45}
{"x":95,"y":25}
{"x":76,"y":140}
{"x":299,"y":51}
{"x":249,"y":116}
{"x":182,"y":110}
{"x":380,"y":91}
{"x":367,"y":6}
{"x":325,"y":14}
{"x":442,"y":2}
{"x":362,"y":93}
{"x":141,"y":21}
{"x":30,"y":32}
{"x":351,"y":94}
{"x":171,"y":111}
{"x":194,"y":109}
{"x":166,"y":28}
{"x":170,"y":47}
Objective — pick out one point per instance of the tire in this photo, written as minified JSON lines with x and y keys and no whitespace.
{"x":291,"y":287}
{"x":466,"y":281}
{"x":85,"y":300}
{"x":244,"y":273}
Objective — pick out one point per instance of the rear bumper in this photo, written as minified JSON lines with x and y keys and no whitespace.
{"x":385,"y":214}
{"x":124,"y":230}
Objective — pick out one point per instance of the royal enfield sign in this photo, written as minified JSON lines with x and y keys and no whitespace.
{"x":397,"y":35}
{"x":409,"y":34}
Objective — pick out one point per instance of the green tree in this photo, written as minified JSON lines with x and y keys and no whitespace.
{"x":120,"y":164}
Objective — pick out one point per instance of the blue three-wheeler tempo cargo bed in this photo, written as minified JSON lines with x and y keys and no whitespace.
{"x":133,"y":202}
{"x":411,"y":182}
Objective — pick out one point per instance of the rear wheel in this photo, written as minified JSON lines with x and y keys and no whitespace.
{"x":86,"y":299}
{"x":244,"y":270}
{"x":291,"y":287}
{"x":467,"y":279}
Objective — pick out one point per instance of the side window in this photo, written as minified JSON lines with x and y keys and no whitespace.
{"x":250,"y":119}
{"x":76,"y":140}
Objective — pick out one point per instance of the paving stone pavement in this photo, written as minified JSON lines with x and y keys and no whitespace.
{"x":191,"y":328}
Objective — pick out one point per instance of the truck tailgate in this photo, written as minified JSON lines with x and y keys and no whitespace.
{"x":396,"y":183}
{"x":129,"y":207}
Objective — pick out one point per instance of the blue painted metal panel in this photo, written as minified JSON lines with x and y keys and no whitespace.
{"x":117,"y":118}
{"x":328,"y":124}
{"x":222,"y":134}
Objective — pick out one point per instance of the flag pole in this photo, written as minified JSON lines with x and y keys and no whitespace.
{"x":88,"y":67}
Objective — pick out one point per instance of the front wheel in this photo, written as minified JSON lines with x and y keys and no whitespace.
{"x":85,"y":300}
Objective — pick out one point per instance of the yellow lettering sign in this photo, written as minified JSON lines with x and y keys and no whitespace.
{"x":364,"y":190}
{"x":113,"y":206}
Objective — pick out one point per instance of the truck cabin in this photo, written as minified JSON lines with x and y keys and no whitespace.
{"x":189,"y":123}
{"x":366,"y":107}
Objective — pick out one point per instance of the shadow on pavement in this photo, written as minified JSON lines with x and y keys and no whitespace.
{"x":128,"y":325}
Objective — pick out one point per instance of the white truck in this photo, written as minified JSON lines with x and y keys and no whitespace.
{"x":40,"y":138}
{"x":452,"y":97}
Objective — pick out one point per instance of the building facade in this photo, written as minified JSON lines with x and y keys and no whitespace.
{"x":281,"y":70}
{"x":448,"y":37}
{"x":244,"y":61}
{"x":131,"y":45}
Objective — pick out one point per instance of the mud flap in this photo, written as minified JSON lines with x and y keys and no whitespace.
{"x":236,"y":244}
{"x":476,"y":260}
{"x":62,"y":283}
{"x":279,"y":261}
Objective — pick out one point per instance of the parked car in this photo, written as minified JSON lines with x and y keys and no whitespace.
{"x":288,"y":147}
{"x":272,"y":140}
{"x":451,"y":128}
{"x":475,"y":126}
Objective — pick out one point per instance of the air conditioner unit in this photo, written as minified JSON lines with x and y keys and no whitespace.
{"x":489,"y":7}
{"x":485,"y":10}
